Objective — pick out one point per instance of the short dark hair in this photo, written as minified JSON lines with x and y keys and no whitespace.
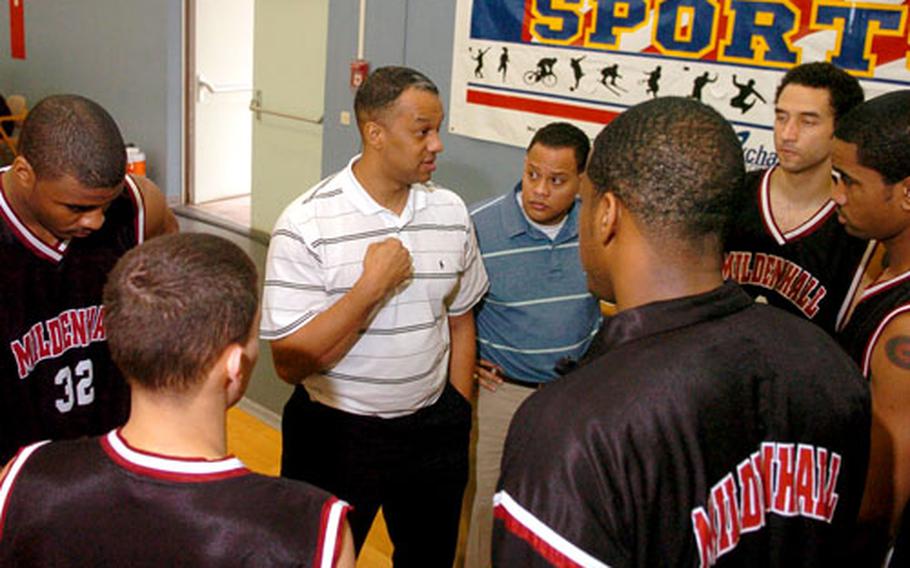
{"x":383,"y":87}
{"x":72,"y":135}
{"x":844,"y":91}
{"x":880,"y":128}
{"x":174,"y":304}
{"x":564,"y":135}
{"x":675,"y":163}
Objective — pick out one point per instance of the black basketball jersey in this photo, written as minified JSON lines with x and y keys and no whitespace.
{"x":698,"y":437}
{"x":808,"y":271}
{"x":875,"y":308}
{"x":98,"y":502}
{"x":57,"y":379}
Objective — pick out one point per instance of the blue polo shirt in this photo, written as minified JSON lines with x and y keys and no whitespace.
{"x":538,"y":309}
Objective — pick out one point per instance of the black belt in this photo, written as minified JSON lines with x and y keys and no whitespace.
{"x":527,"y":384}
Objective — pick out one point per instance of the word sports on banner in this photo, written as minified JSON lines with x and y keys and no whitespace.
{"x":520,"y":64}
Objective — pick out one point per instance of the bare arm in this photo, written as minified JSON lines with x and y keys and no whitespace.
{"x":327,"y":337}
{"x":888,"y":481}
{"x":159,"y":219}
{"x":464,"y":352}
{"x":346,"y":556}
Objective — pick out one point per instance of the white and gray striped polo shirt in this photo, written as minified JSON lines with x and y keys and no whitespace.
{"x":400,"y":363}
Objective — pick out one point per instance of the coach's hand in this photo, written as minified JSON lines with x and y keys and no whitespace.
{"x":386,"y":265}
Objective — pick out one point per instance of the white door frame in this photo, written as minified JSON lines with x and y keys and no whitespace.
{"x":189,"y":101}
{"x":237,"y":101}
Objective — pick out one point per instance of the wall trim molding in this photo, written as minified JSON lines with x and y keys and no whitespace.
{"x":259,"y":411}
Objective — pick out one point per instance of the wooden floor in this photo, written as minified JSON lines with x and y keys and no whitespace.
{"x":258,"y":445}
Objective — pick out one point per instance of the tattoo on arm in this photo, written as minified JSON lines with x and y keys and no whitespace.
{"x":898,"y":351}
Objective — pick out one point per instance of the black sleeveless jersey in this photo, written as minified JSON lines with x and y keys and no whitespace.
{"x":877,"y":306}
{"x":57,"y":379}
{"x":703,"y":434}
{"x":808,"y":271}
{"x":99,"y":502}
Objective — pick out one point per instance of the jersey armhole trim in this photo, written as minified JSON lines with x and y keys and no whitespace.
{"x":9,"y":480}
{"x":331,"y":533}
{"x":138,"y":200}
{"x":844,"y":311}
{"x":549,"y":544}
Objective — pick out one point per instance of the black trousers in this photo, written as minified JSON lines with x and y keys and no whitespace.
{"x":415,"y":467}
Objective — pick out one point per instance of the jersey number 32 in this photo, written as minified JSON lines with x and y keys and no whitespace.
{"x":82,"y":393}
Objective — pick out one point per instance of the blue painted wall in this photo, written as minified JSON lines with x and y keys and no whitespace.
{"x":125,"y":55}
{"x":419,"y":34}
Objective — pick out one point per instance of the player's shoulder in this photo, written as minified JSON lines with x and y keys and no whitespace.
{"x":894,"y":329}
{"x":754,"y":177}
{"x":749,"y":188}
{"x":280,"y":489}
{"x":149,"y":203}
{"x":810,"y":355}
{"x":764,"y":320}
{"x":597,"y":393}
{"x":53,"y":457}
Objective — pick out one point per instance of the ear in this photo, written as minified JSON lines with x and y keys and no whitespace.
{"x":373,"y":134}
{"x":903,"y":186}
{"x":607,"y":217}
{"x":235,"y":377}
{"x":23,"y":172}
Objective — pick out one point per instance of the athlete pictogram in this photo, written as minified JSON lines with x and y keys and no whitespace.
{"x":653,"y":81}
{"x":478,"y":70}
{"x":543,"y":73}
{"x":611,"y":72}
{"x":503,"y":63}
{"x":745,"y":91}
{"x":577,"y":71}
{"x":700,"y":83}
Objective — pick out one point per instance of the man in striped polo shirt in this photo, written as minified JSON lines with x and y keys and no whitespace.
{"x":371,"y":279}
{"x":538,"y":309}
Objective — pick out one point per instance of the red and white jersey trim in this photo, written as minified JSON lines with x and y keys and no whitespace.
{"x":873,"y":339}
{"x":28,"y":238}
{"x":782,"y":238}
{"x":167,"y":467}
{"x":55,"y":253}
{"x":884,"y":285}
{"x":544,"y":540}
{"x":136,"y":195}
{"x":6,"y":484}
{"x":844,"y":311}
{"x":331,"y":532}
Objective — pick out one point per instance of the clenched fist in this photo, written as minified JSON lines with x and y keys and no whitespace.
{"x":386,"y":265}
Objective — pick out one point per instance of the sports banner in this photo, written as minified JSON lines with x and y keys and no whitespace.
{"x":520,"y":64}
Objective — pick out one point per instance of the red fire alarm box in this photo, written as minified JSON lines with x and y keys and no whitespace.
{"x":17,"y":28}
{"x":360,"y":68}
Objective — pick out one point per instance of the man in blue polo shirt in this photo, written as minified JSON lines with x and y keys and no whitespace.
{"x":538,"y":310}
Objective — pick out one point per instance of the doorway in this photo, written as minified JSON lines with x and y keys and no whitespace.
{"x":219,"y":67}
